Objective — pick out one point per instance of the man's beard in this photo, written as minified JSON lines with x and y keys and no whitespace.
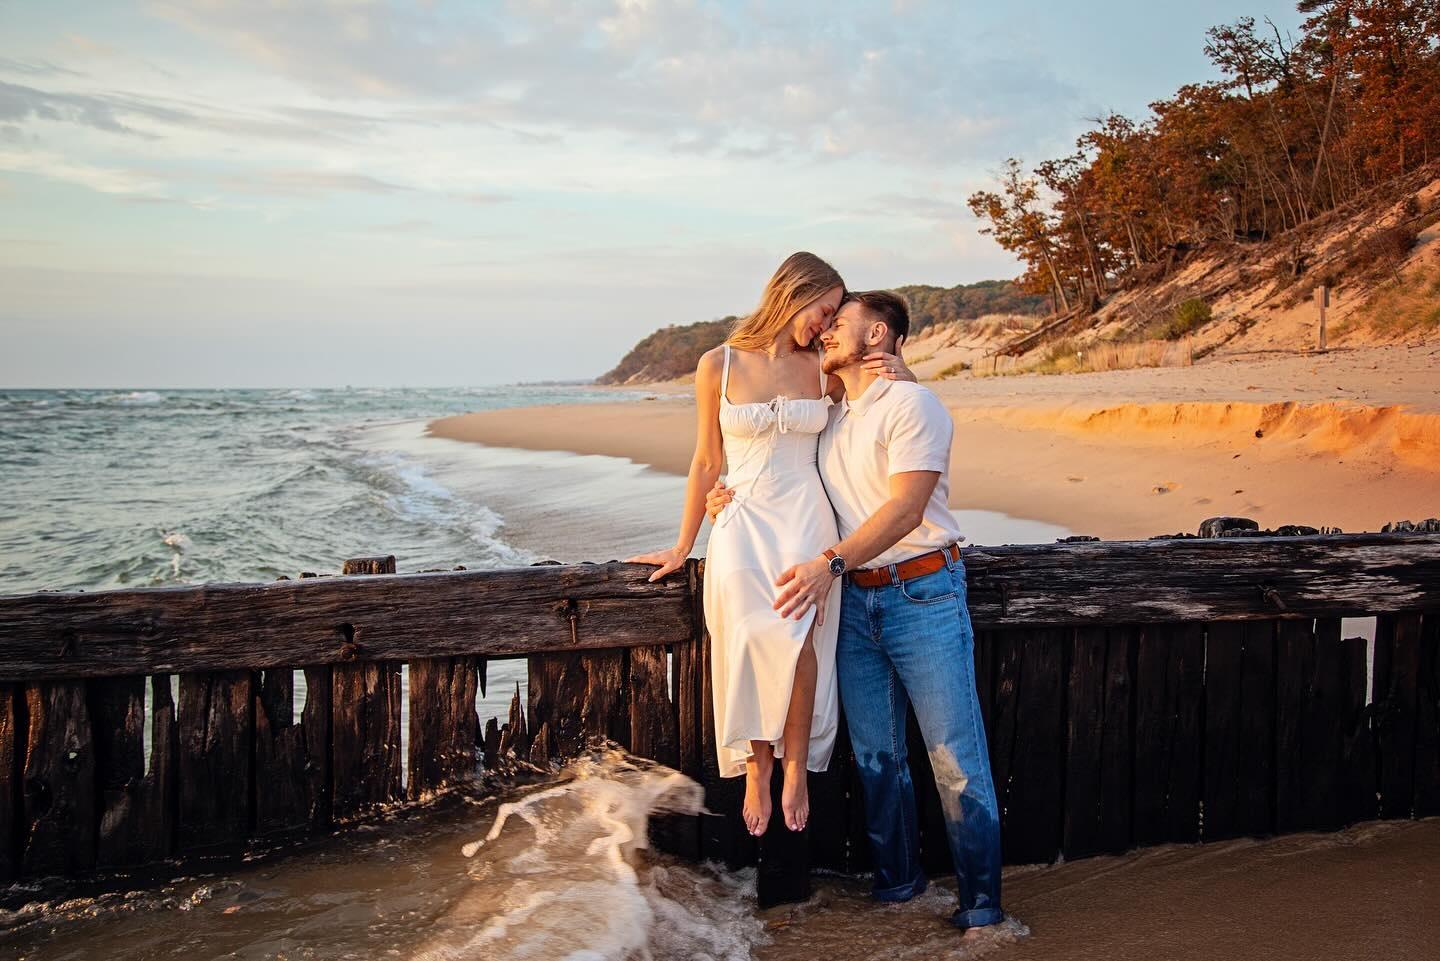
{"x":833,"y":361}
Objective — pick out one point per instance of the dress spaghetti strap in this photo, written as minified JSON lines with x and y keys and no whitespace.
{"x":725,"y":374}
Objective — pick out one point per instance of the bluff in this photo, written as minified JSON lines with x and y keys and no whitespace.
{"x":673,"y":351}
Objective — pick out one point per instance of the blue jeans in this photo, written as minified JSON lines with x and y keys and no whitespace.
{"x":911,"y":643}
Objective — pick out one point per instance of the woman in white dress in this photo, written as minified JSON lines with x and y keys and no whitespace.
{"x":762,"y":401}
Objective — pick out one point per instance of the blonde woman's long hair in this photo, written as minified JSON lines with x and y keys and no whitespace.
{"x":801,"y":279}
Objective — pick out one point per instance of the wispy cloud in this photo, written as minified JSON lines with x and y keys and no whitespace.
{"x":20,"y":103}
{"x":36,"y":68}
{"x":301,"y":182}
{"x":723,"y":80}
{"x":56,"y":167}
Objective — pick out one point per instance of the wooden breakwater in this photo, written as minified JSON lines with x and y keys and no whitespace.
{"x":1134,"y":693}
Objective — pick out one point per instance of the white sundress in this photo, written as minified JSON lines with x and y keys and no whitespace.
{"x":780,"y":516}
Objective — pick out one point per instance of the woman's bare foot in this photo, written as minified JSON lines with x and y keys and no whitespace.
{"x":756,"y":812}
{"x":795,"y":796}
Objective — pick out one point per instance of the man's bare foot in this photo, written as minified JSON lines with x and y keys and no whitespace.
{"x":756,"y":812}
{"x":795,"y":797}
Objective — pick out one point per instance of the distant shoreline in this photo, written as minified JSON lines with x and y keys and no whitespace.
{"x":1121,"y":454}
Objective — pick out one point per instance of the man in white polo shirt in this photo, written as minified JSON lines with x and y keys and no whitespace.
{"x":905,"y":632}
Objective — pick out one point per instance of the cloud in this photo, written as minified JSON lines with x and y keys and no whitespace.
{"x":919,"y":207}
{"x":36,"y":68}
{"x":483,"y":199}
{"x":301,"y":182}
{"x":65,"y":170}
{"x":149,"y":116}
{"x":19,"y":102}
{"x":810,"y":79}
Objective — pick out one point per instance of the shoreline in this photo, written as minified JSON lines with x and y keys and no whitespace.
{"x":1349,"y":440}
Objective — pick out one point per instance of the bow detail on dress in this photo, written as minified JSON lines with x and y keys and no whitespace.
{"x":766,"y":422}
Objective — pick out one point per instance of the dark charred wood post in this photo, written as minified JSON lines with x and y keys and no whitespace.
{"x":138,"y":810}
{"x":292,"y":759}
{"x":1397,"y":687}
{"x":1240,"y":752}
{"x":59,"y":779}
{"x":1427,"y":719}
{"x":216,"y":754}
{"x":365,"y":715}
{"x":12,"y":753}
{"x":442,"y":723}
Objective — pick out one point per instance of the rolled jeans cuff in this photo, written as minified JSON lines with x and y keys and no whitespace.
{"x":977,"y":918}
{"x":901,"y":892}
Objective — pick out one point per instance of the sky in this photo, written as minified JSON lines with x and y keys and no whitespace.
{"x":266,"y":193}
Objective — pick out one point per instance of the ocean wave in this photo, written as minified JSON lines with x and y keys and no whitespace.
{"x":412,"y":493}
{"x":134,"y":398}
{"x":568,"y":882}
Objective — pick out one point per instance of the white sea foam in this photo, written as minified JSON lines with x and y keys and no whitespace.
{"x":178,"y":540}
{"x":559,"y":876}
{"x":179,"y":543}
{"x":421,"y":497}
{"x":135,"y":398}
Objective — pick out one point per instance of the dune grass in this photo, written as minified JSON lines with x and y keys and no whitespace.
{"x":1411,"y":305}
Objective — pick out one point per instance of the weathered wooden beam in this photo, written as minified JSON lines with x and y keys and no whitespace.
{"x":1200,"y":579}
{"x":588,"y":606}
{"x":334,"y":620}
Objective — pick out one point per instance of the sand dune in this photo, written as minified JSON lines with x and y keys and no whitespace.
{"x":1382,"y":433}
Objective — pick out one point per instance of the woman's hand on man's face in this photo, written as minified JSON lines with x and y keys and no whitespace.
{"x":889,"y":366}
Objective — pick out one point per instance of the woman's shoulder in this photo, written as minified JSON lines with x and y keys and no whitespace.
{"x":711,"y":363}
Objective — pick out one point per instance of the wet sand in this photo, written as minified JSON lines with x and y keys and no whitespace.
{"x":402,"y":888}
{"x":1371,"y":891}
{"x":1349,"y":439}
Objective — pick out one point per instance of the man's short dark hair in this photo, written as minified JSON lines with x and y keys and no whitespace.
{"x":887,"y":307}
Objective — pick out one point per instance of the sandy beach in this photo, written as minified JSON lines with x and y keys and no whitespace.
{"x":1347,"y":439}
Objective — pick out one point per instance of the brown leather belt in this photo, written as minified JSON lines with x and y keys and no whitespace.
{"x":905,"y":570}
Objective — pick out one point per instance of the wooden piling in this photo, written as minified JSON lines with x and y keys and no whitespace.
{"x":1132,"y":693}
{"x":365,"y":761}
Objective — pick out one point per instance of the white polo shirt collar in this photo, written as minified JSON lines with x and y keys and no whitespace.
{"x":865,"y":401}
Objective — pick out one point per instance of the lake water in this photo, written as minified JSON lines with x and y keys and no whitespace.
{"x":143,"y":488}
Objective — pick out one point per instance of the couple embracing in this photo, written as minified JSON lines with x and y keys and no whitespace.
{"x":834,"y":575}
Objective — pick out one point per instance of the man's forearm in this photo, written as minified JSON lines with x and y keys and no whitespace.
{"x":881,"y":531}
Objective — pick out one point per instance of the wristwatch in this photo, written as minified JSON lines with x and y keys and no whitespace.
{"x":837,"y":563}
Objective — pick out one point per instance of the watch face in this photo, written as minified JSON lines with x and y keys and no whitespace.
{"x":837,"y":566}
